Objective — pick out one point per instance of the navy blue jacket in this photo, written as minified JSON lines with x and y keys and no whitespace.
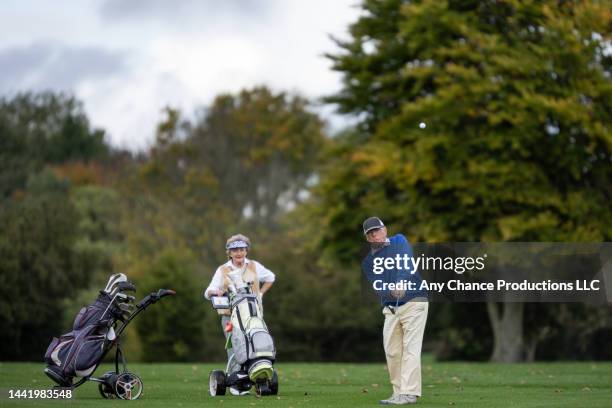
{"x":398,"y":244}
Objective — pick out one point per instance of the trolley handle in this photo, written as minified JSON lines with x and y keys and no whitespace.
{"x":154,"y":297}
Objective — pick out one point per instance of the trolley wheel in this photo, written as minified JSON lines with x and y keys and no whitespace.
{"x":128,"y":386}
{"x":274,"y":384}
{"x":106,"y":388}
{"x":216,"y":383}
{"x":268,"y":387}
{"x":106,"y":391}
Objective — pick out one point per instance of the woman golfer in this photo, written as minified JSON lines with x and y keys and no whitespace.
{"x":240,"y":272}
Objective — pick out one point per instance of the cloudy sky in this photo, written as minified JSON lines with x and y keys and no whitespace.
{"x":127,"y":59}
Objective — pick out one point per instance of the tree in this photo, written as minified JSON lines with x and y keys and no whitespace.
{"x":173,"y":329}
{"x":244,"y":161}
{"x":261,"y":146}
{"x":480,"y":121}
{"x":37,"y":266}
{"x":99,"y":235}
{"x":239,"y":166}
{"x":41,"y":262}
{"x":41,"y":129}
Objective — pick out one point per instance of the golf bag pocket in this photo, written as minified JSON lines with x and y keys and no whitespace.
{"x":58,"y":349}
{"x":261,"y":344}
{"x":239,"y":346}
{"x":86,"y":315}
{"x":88,"y":355}
{"x":81,"y":318}
{"x":93,"y":314}
{"x":77,"y":352}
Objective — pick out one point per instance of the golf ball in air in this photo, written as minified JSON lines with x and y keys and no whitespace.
{"x":422,"y":125}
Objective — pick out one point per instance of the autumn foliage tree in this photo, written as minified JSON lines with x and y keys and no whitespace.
{"x":479,"y":121}
{"x":238,"y":166}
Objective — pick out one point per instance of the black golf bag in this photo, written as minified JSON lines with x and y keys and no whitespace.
{"x":96,"y":329}
{"x":77,"y":353}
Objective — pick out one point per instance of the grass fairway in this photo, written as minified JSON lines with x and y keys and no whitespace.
{"x":347,"y":385}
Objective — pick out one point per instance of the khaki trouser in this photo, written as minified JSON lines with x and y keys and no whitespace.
{"x":403,"y":338}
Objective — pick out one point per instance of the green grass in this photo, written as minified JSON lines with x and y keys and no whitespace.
{"x":470,"y":385}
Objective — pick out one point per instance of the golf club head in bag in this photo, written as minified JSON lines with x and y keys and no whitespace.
{"x":118,"y":283}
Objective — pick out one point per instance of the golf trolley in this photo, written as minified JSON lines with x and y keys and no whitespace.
{"x":96,"y":331}
{"x":252,"y":347}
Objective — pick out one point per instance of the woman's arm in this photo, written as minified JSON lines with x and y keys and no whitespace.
{"x":216,"y":285}
{"x":264,"y":288}
{"x":265,"y":276}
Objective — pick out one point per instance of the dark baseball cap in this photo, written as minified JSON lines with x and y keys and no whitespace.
{"x":372,"y":223}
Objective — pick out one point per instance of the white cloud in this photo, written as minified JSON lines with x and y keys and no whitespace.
{"x":183,"y":56}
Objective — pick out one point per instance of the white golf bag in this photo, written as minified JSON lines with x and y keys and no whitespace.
{"x":252,"y":347}
{"x":252,"y":344}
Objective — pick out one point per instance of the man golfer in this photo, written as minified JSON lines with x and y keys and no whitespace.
{"x":404,"y":308}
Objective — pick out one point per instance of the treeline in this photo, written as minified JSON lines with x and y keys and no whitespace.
{"x":476,"y":123}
